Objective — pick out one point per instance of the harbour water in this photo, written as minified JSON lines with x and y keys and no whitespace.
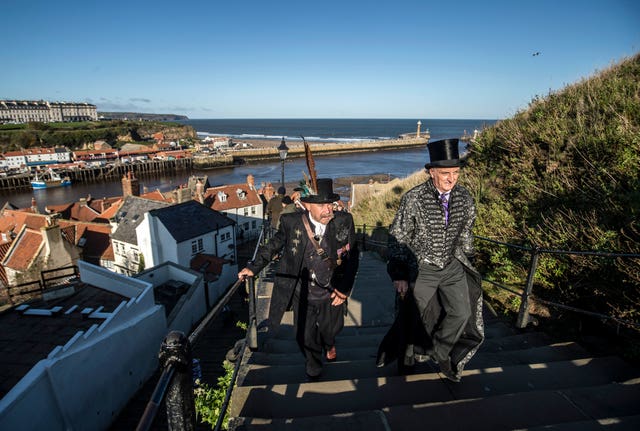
{"x":398,"y":163}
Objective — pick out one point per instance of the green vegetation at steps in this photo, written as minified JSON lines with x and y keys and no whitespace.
{"x":76,"y":135}
{"x":563,"y":174}
{"x":209,"y":399}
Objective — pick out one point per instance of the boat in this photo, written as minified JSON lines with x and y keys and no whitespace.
{"x":49,"y":179}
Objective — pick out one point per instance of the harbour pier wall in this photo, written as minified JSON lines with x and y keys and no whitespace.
{"x":242,"y":156}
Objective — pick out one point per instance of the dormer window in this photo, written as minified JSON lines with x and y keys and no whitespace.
{"x":222,"y":196}
{"x":242,"y":195}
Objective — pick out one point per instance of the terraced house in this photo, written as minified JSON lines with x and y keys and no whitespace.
{"x":24,"y":111}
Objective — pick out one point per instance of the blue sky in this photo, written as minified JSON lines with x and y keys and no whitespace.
{"x":303,"y":59}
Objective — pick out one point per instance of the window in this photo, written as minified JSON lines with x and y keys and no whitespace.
{"x":253,"y":210}
{"x":197,"y":246}
{"x":225,"y":237}
{"x":253,"y":224}
{"x":246,"y":211}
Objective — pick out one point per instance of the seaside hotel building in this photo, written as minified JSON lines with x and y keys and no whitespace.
{"x":24,"y":111}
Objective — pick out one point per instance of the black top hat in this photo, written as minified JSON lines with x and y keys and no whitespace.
{"x":324,"y":194}
{"x":443,"y":154}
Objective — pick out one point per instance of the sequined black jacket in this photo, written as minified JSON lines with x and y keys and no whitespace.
{"x":419,"y":234}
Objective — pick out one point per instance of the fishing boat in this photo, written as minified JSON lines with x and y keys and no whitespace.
{"x":49,"y":179}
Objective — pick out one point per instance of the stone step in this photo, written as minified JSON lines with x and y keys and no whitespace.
{"x":290,"y":345}
{"x":331,"y":397}
{"x":552,"y":353}
{"x":295,"y":357}
{"x":287,"y":332}
{"x":493,"y":329}
{"x":293,"y":371}
{"x":521,"y":410}
{"x":520,"y":341}
{"x":356,"y":336}
{"x":369,"y":421}
{"x":538,"y":409}
{"x":616,"y":423}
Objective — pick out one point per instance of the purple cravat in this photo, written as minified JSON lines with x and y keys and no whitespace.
{"x":445,"y":206}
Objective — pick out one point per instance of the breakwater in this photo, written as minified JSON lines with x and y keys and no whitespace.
{"x":242,"y":156}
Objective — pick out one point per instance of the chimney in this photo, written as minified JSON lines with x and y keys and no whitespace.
{"x":130,"y":185}
{"x":183,"y":194}
{"x":251,"y":182}
{"x":34,"y":205}
{"x":53,"y":239}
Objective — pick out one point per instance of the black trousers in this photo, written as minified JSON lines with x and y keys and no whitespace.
{"x":317,"y":324}
{"x":451,"y":285}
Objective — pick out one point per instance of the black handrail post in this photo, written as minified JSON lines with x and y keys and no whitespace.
{"x":181,"y":411}
{"x":252,"y":330}
{"x":364,"y":237}
{"x":523,"y":314}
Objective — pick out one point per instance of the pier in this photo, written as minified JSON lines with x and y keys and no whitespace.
{"x":102,"y":173}
{"x":242,"y":156}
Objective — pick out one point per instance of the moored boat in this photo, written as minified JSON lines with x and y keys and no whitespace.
{"x":49,"y":179}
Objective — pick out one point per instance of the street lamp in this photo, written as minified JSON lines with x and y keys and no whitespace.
{"x":283,"y":150}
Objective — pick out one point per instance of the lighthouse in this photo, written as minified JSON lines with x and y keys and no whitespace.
{"x":418,"y":131}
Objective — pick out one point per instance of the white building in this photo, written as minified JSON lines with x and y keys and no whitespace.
{"x":46,"y":156}
{"x":82,"y":380}
{"x":180,"y":233}
{"x":242,"y":204}
{"x":14,"y":160}
{"x":126,"y":251}
{"x":24,"y":111}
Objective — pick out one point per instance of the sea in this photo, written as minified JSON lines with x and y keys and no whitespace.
{"x":396,"y":163}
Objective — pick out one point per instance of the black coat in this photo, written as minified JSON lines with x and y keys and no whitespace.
{"x":408,"y":335}
{"x":290,"y":241}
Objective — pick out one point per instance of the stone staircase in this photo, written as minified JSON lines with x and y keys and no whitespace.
{"x":517,"y":380}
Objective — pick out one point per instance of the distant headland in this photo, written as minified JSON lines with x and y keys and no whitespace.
{"x":138,"y":116}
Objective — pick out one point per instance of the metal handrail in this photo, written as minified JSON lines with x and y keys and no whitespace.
{"x":168,"y":372}
{"x":527,"y":294}
{"x":556,"y":251}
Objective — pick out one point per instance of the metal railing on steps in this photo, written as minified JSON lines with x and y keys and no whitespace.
{"x":175,"y":384}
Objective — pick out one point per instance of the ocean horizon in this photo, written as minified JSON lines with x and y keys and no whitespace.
{"x":334,"y":130}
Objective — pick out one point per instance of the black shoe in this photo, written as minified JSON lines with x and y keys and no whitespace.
{"x":312,"y":379}
{"x":445,"y":369}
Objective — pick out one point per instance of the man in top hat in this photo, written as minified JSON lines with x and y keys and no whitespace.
{"x":430,"y":246}
{"x":315,"y":273}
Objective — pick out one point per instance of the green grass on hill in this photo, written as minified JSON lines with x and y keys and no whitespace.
{"x":74,"y":135}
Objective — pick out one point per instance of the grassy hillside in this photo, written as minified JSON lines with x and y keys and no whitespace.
{"x":561,"y":174}
{"x":75,"y":135}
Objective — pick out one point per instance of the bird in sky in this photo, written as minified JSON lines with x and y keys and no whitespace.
{"x":536,"y":53}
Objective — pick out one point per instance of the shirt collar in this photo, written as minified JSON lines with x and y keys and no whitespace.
{"x":319,"y":228}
